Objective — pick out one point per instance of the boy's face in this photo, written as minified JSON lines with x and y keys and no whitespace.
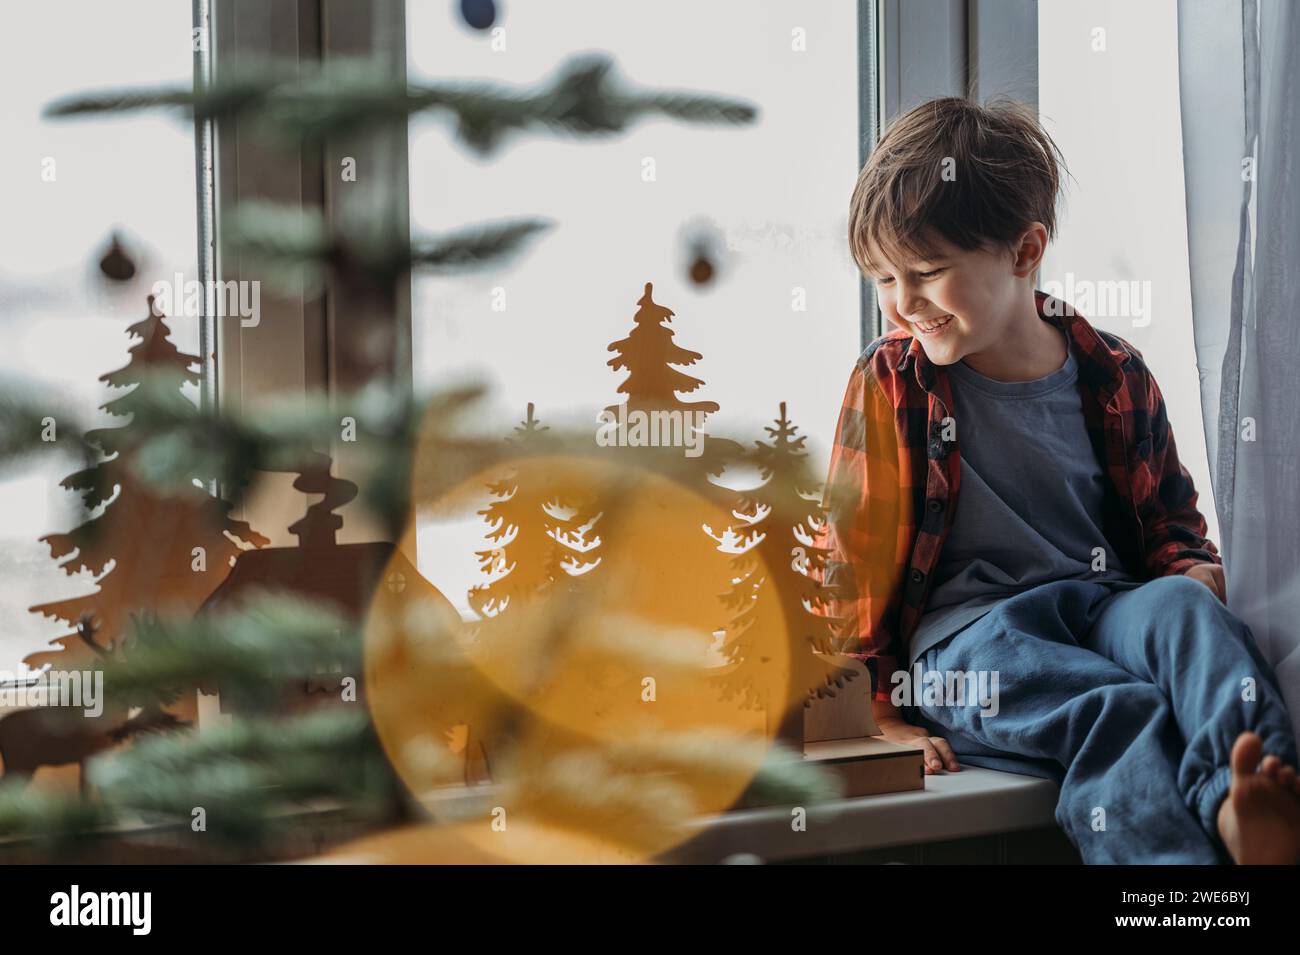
{"x":957,"y":303}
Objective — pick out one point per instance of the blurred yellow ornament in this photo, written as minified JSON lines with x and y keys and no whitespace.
{"x":581,"y":691}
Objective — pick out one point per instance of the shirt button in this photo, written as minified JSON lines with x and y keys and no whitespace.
{"x":917,"y":576}
{"x":935,"y":504}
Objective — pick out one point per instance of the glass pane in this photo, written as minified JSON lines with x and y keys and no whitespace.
{"x":67,"y":185}
{"x":1108,"y":76}
{"x":778,"y":320}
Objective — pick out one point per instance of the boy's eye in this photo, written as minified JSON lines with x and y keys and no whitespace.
{"x":888,"y":280}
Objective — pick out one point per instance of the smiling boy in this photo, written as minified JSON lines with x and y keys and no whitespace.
{"x":1005,"y":496}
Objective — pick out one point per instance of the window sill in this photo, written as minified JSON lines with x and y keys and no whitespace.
{"x":970,"y":803}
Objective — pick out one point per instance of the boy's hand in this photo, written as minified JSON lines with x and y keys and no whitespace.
{"x":1212,"y":576}
{"x":938,"y":754}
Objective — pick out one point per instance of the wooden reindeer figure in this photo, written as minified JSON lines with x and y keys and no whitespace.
{"x":60,"y":735}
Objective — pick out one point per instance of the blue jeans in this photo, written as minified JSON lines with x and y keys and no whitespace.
{"x":1130,"y":700}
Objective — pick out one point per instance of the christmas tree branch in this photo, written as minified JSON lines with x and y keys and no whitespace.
{"x":294,"y":249}
{"x":347,"y":96}
{"x":267,"y":639}
{"x":242,"y":774}
{"x":61,"y":819}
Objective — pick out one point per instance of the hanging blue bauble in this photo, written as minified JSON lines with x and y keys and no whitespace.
{"x":480,"y":14}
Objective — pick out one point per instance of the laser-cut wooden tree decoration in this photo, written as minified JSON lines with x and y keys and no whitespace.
{"x":782,"y":591}
{"x":147,"y":549}
{"x":648,"y":354}
{"x":652,"y":358}
{"x":543,"y":547}
{"x":536,"y":527}
{"x":672,"y":574}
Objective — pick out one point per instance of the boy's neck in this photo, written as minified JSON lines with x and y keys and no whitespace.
{"x":1031,"y":349}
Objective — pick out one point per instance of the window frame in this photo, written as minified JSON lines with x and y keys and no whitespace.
{"x":914,"y":35}
{"x":304,"y":344}
{"x":300,"y":345}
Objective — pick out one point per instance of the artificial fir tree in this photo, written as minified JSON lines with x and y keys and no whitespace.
{"x":147,"y":549}
{"x":776,"y":595}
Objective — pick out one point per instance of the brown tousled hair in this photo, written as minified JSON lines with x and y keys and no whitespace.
{"x":1008,"y":172}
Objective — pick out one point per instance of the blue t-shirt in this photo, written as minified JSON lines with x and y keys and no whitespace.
{"x":1029,"y":509}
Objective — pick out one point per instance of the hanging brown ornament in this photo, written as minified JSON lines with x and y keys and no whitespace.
{"x":116,"y":265}
{"x":702,"y":270}
{"x":702,"y":244}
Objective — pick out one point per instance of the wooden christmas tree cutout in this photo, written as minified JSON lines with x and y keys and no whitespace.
{"x":780,"y":566}
{"x":653,"y":415}
{"x":536,"y":527}
{"x":148,"y":549}
{"x":777,"y":652}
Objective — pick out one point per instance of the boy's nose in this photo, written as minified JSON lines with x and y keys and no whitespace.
{"x":909,"y":302}
{"x":914,"y":310}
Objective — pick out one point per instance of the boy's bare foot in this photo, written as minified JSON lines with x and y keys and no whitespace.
{"x":1259,"y":819}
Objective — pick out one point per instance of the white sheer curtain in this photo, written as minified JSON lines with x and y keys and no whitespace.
{"x":1239,"y":73}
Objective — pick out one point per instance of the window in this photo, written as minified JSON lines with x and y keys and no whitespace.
{"x":1121,"y":257}
{"x":768,"y":201}
{"x":68,"y":186}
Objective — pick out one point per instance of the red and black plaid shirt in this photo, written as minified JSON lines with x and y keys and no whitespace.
{"x":895,"y":473}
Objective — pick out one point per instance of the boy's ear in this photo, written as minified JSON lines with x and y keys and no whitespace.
{"x":1030,"y":249}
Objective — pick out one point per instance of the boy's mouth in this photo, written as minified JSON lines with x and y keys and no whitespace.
{"x":929,"y":328}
